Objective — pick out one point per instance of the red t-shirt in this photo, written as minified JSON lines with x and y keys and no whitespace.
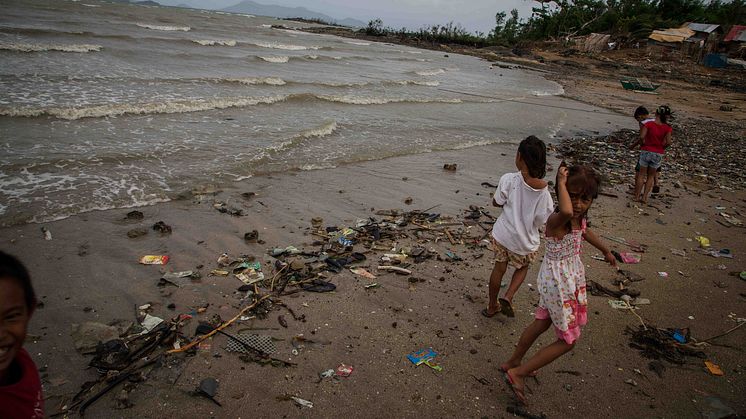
{"x":655,"y":138}
{"x":23,"y":400}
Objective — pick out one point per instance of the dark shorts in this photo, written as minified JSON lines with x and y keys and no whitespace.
{"x":637,"y":167}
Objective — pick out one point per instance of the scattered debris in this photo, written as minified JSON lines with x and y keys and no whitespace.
{"x":714,"y":369}
{"x":137,"y":232}
{"x":162,"y":228}
{"x":344,"y":370}
{"x":426,"y":357}
{"x":134,"y":216}
{"x":692,"y":154}
{"x":154,"y":260}
{"x":208,"y":388}
{"x":703,"y":241}
{"x":657,"y":343}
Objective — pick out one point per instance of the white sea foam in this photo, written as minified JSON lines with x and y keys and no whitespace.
{"x":164,"y":27}
{"x":362,"y":100}
{"x":276,"y":59}
{"x":220,"y":42}
{"x":431,"y":83}
{"x":264,"y":26}
{"x":287,"y":47}
{"x":198,"y":105}
{"x":431,"y":72}
{"x":363,"y":44}
{"x":324,"y":130}
{"x":272,"y":81}
{"x":167,"y":107}
{"x":556,"y":92}
{"x":321,"y":131}
{"x":316,"y":166}
{"x":90,"y":5}
{"x":50,"y":47}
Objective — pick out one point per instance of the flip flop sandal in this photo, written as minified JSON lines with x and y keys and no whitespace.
{"x":319,"y":286}
{"x":487,"y":314}
{"x":505,"y":307}
{"x":518,"y":393}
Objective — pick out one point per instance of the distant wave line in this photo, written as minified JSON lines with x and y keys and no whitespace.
{"x":198,"y":105}
{"x":164,"y":27}
{"x":78,"y":48}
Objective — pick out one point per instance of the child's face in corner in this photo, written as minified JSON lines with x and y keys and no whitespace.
{"x":580,"y":203}
{"x":14,"y":318}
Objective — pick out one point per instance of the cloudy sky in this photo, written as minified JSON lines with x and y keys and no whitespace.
{"x":475,"y":15}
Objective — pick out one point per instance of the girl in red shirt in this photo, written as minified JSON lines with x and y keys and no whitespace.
{"x":655,"y":137}
{"x":20,"y":387}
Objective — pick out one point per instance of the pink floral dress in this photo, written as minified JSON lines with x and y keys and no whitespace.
{"x":561,"y":284}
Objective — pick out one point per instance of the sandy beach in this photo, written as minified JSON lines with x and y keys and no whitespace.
{"x":89,"y":272}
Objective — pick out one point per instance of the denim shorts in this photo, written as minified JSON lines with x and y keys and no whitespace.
{"x":650,"y":159}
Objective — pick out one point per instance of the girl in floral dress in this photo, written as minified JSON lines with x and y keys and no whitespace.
{"x":561,"y":283}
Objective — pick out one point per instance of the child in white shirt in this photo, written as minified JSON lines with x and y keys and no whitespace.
{"x":526,"y":204}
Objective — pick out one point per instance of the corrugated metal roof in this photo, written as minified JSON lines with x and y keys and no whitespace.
{"x":702,"y":27}
{"x":734,"y":33}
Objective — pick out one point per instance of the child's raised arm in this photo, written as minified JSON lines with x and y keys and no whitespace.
{"x":596,"y":242}
{"x":558,"y":220}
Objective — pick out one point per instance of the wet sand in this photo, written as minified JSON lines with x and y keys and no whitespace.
{"x":89,"y":272}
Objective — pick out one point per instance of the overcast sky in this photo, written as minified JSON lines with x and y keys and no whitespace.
{"x":474,"y":15}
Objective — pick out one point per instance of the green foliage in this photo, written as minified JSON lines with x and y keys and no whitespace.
{"x":449,"y":33}
{"x":556,"y":19}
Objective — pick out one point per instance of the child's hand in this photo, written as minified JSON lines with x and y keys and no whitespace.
{"x":562,"y":173}
{"x":610,"y":259}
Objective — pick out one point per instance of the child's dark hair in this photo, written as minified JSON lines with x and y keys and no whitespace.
{"x":640,"y":111}
{"x":586,"y":180}
{"x":12,"y":268}
{"x":664,"y":112}
{"x":534,"y":154}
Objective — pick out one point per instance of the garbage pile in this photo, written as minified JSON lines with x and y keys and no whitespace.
{"x":156,"y":348}
{"x":708,"y":151}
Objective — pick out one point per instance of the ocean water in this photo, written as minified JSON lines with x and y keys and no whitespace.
{"x":110,"y":105}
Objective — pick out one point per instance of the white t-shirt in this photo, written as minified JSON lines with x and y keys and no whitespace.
{"x":525,"y":210}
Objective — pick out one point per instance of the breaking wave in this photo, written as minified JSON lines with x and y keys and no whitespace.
{"x":363,"y":44}
{"x":198,"y":105}
{"x":272,"y":81}
{"x":50,"y":47}
{"x":219,"y":42}
{"x":557,"y":92}
{"x":431,"y":72}
{"x":286,"y":47}
{"x":362,"y":100}
{"x":430,"y":83}
{"x":317,"y":132}
{"x":276,"y":59}
{"x":164,"y":27}
{"x":168,"y":107}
